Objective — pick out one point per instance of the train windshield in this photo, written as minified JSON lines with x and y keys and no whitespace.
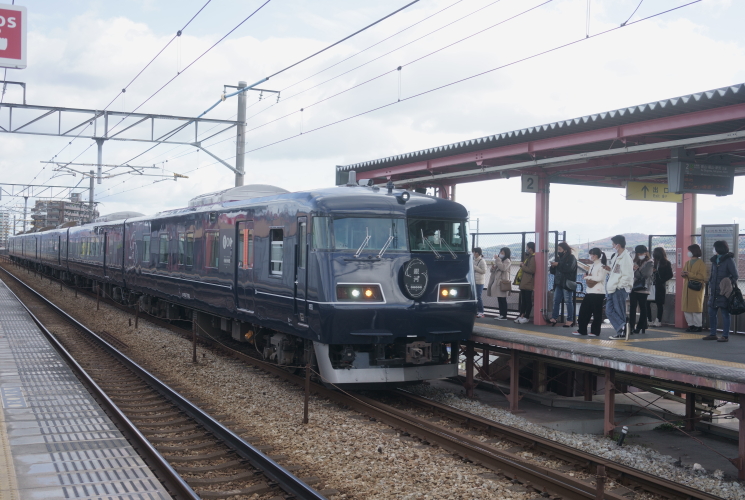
{"x":431,"y":235}
{"x":368,"y":234}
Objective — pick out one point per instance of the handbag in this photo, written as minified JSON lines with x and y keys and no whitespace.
{"x":570,"y":285}
{"x":694,"y":285}
{"x":736,"y":303}
{"x":591,"y":283}
{"x":640,"y":285}
{"x":505,"y":285}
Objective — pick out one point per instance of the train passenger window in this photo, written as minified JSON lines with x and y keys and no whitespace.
{"x":163,"y":250}
{"x":213,"y":249}
{"x":276,"y":252}
{"x":181,"y":245}
{"x":189,"y":249}
{"x":245,"y":245}
{"x":302,"y":231}
{"x":145,"y":248}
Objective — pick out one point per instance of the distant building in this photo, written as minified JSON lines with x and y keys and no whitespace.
{"x":55,"y":212}
{"x":5,"y":228}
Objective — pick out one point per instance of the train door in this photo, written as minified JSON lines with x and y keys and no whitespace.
{"x":244,"y":279}
{"x":301,"y":270}
{"x":105,"y":251}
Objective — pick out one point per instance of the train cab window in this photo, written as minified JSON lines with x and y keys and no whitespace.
{"x":302,"y":257}
{"x":213,"y":249}
{"x":276,"y":252}
{"x":429,"y":235}
{"x":163,"y":250}
{"x":145,"y":248}
{"x":189,"y":249}
{"x":245,"y":245}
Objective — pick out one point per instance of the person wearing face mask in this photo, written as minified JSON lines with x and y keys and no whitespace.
{"x":694,"y":276}
{"x":643,"y":269}
{"x":723,"y":277}
{"x":621,"y":270}
{"x":525,"y":280}
{"x":592,"y":304}
{"x":500,"y":284}
{"x":479,"y":272}
{"x":663,"y":271}
{"x":564,"y":269}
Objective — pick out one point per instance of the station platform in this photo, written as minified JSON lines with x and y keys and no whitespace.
{"x":662,"y":353}
{"x":55,"y":441}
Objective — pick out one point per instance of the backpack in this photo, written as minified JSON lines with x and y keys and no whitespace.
{"x":736,"y":303}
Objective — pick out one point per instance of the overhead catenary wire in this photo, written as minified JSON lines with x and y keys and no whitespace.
{"x":455,"y":82}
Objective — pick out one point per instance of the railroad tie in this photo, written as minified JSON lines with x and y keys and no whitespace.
{"x":256,"y":489}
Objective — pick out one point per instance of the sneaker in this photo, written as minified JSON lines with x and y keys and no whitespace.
{"x":517,"y":320}
{"x":723,"y":339}
{"x":500,"y":318}
{"x":709,"y":337}
{"x":522,"y":321}
{"x":593,"y":334}
{"x":617,"y":336}
{"x":578,"y":333}
{"x":480,"y":315}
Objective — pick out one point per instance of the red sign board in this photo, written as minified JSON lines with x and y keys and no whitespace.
{"x":12,"y":36}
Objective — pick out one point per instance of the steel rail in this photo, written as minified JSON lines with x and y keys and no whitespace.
{"x":290,"y":483}
{"x":615,"y":470}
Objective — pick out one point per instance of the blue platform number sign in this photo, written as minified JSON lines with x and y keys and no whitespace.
{"x":415,"y":278}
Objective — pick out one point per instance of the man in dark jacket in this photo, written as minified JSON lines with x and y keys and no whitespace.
{"x":723,"y":267}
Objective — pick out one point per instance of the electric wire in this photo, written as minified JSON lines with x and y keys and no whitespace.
{"x":455,"y":82}
{"x":632,"y":14}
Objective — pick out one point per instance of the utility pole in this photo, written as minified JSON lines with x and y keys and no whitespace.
{"x":90,"y":194}
{"x":99,"y":143}
{"x":25,"y":209}
{"x":240,"y":142}
{"x":14,"y":225}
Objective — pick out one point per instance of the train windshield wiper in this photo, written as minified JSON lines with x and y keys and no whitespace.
{"x":364,"y":243}
{"x":430,"y":245}
{"x":442,"y":240}
{"x":387,"y":244}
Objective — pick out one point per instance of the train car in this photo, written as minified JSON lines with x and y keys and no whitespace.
{"x":375,"y":284}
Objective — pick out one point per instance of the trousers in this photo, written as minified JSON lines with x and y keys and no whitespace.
{"x":615,"y":309}
{"x":638,"y":299}
{"x":502,"y":306}
{"x":480,"y":299}
{"x":526,"y":303}
{"x":660,"y":309}
{"x":592,"y":306}
{"x":713,"y":320}
{"x":566,"y":296}
{"x":694,"y":319}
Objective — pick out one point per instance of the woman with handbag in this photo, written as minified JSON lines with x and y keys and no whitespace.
{"x":525,"y":280}
{"x":694,"y":277}
{"x":663,"y":272}
{"x":643,"y":269}
{"x":501,"y":286}
{"x":592,"y":304}
{"x":564,"y":269}
{"x":722,"y":280}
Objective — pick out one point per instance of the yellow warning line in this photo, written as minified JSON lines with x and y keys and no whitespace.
{"x":625,"y":345}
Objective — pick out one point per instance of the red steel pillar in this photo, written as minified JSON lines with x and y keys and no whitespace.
{"x":514,"y":396}
{"x":540,"y":293}
{"x":685,"y":228}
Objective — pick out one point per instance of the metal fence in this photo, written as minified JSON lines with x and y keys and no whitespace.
{"x":492,"y":243}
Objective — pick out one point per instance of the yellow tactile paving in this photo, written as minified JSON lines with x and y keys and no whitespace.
{"x":625,"y":345}
{"x":8,"y":485}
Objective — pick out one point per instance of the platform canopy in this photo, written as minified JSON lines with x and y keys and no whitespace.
{"x":602,"y":149}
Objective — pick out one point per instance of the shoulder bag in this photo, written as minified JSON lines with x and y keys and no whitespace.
{"x":694,"y":285}
{"x":736,"y":303}
{"x":505,"y":285}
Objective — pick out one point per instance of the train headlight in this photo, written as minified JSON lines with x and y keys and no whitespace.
{"x":358,"y":293}
{"x":451,"y":293}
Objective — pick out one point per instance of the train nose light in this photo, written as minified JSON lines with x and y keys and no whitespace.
{"x":358,"y":293}
{"x":453,"y":292}
{"x":355,"y":293}
{"x":369,"y":293}
{"x":444,"y":293}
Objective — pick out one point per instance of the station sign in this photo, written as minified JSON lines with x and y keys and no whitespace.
{"x":702,"y":178}
{"x":651,"y":191}
{"x":13,"y":20}
{"x":710,"y":233}
{"x":529,"y":183}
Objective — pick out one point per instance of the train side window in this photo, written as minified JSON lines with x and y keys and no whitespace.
{"x":213,"y":249}
{"x":245,"y":245}
{"x":241,"y":245}
{"x":302,"y":231}
{"x":181,"y":244}
{"x":276,"y":252}
{"x":145,"y":248}
{"x":189,"y":249}
{"x":163,"y":250}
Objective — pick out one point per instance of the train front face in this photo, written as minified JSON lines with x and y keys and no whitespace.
{"x":397,"y":276}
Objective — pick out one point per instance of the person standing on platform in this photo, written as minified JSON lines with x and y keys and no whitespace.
{"x":723,"y":278}
{"x":694,"y":276}
{"x":501,"y":285}
{"x":525,"y":279}
{"x":643,"y":270}
{"x":564,"y":269}
{"x":663,"y":272}
{"x":619,"y":285}
{"x":479,"y":272}
{"x":592,"y":304}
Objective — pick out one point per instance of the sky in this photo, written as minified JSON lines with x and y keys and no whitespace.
{"x":81,"y":53}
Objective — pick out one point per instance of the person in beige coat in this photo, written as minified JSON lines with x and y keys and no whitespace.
{"x":693,"y":300}
{"x":525,"y":280}
{"x":479,"y":272}
{"x":500,"y":283}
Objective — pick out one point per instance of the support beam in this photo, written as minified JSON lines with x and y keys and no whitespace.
{"x":240,"y":137}
{"x":685,"y":228}
{"x":514,"y":396}
{"x":690,"y":421}
{"x":99,"y":143}
{"x":609,"y":419}
{"x":540,"y":290}
{"x":588,"y":386}
{"x":470,"y":352}
{"x":539,"y":376}
{"x":740,"y":460}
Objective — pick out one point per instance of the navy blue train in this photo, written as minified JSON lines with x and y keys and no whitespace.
{"x":376,"y":284}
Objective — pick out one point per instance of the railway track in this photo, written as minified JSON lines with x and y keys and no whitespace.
{"x":579,"y":481}
{"x":191,"y":452}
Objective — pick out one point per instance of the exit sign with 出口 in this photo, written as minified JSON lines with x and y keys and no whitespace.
{"x":651,"y":191}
